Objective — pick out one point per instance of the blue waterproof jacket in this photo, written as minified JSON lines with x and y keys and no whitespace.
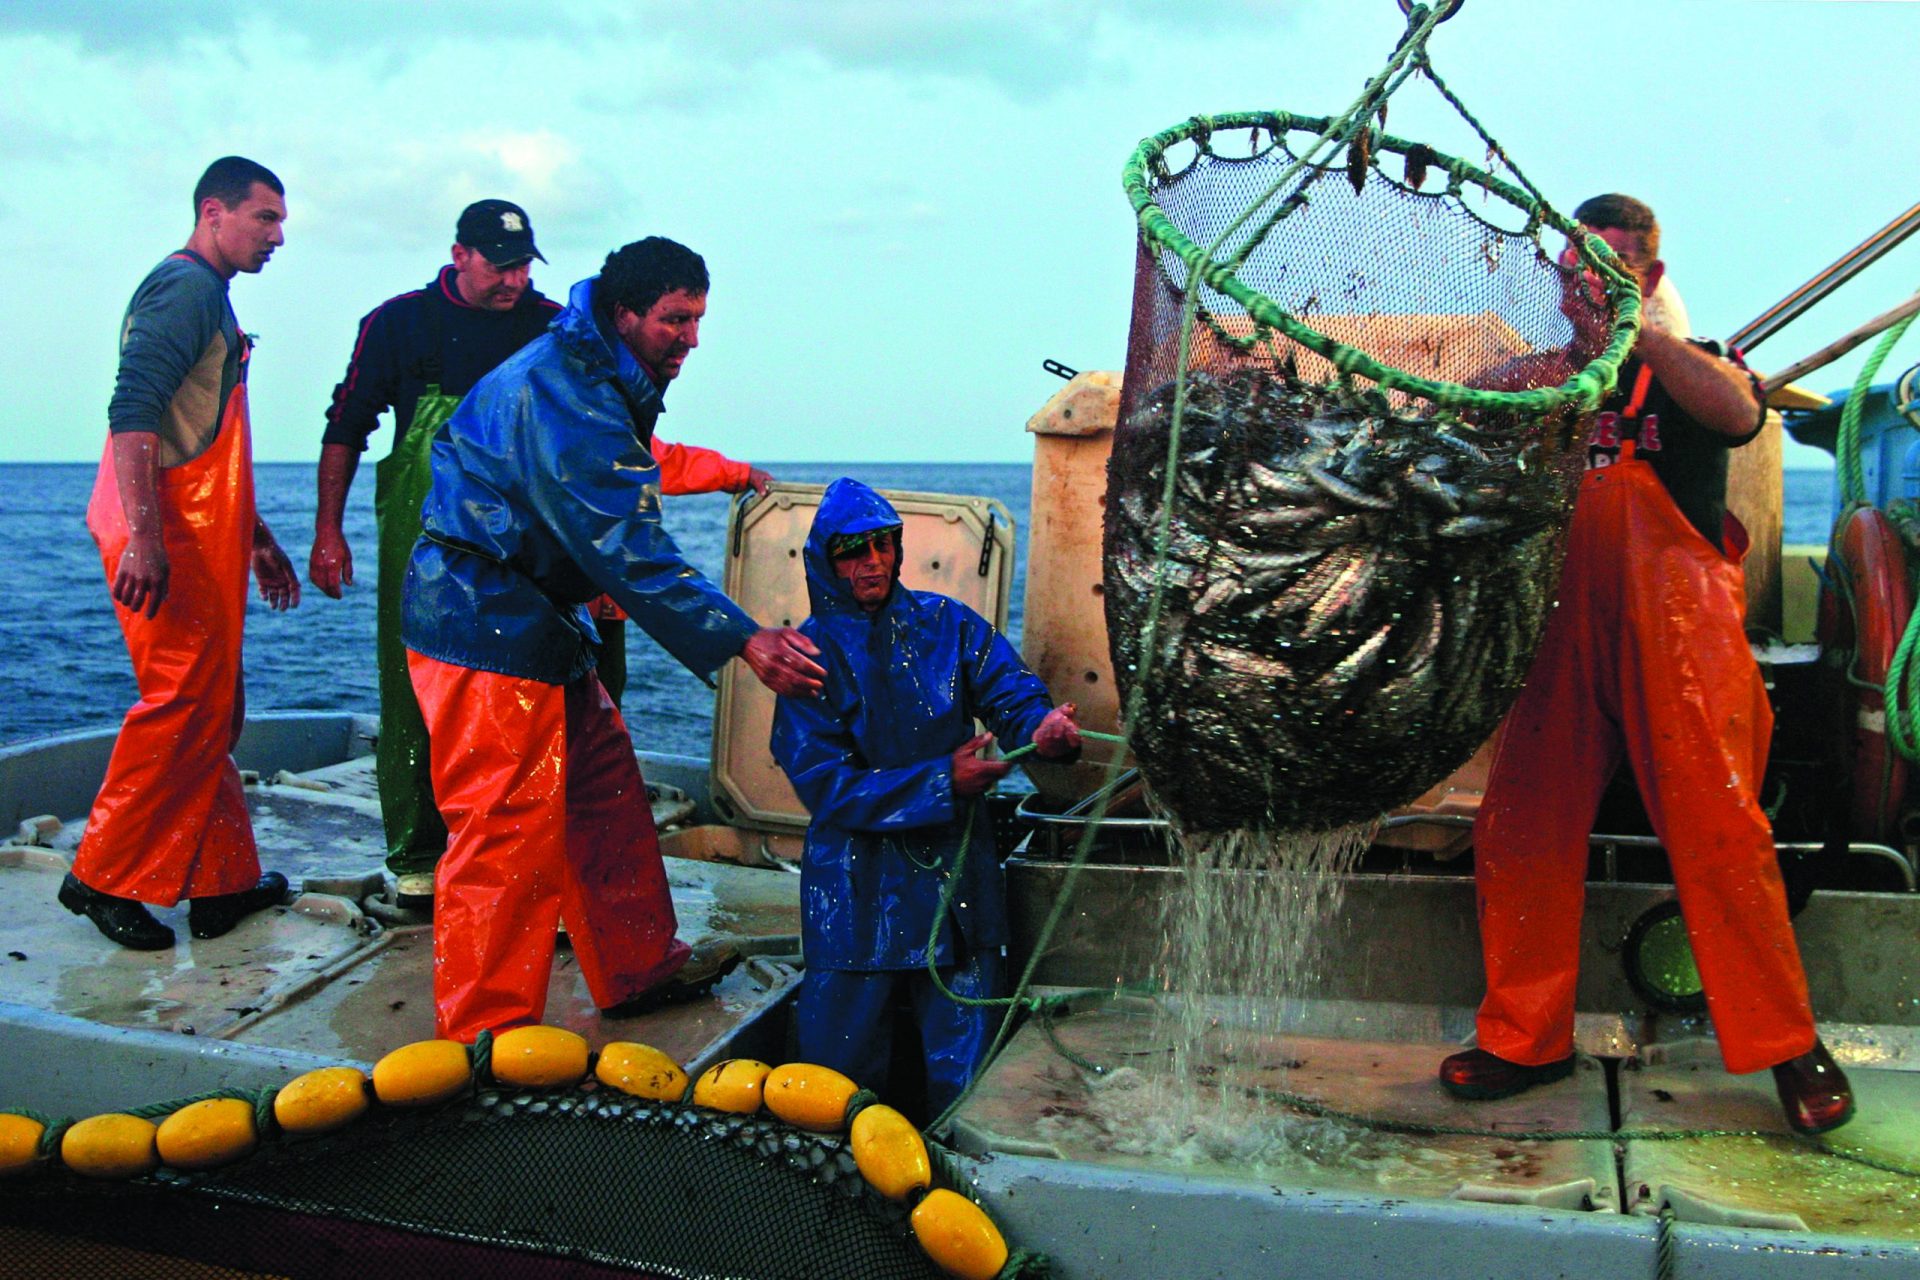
{"x":871,"y":758}
{"x":544,"y":496}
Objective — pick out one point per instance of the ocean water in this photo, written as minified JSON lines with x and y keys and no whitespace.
{"x":63,"y":665}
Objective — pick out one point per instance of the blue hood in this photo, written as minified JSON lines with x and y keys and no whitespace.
{"x":847,"y":507}
{"x":579,"y":334}
{"x":871,"y":758}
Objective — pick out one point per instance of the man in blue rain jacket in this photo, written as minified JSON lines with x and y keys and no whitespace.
{"x":887,"y":762}
{"x":546,"y":493}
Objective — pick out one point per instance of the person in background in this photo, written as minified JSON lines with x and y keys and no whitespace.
{"x":172,"y":512}
{"x":544,"y":496}
{"x":415,"y":355}
{"x":1645,"y":656}
{"x":888,"y":764}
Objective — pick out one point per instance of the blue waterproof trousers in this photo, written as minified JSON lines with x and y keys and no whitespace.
{"x":845,"y":1022}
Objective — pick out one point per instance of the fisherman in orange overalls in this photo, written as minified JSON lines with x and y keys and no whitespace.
{"x":546,"y":494}
{"x":172,"y":512}
{"x":1645,"y":656}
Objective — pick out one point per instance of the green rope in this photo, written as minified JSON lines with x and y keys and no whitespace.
{"x":480,"y":1059}
{"x":51,"y":1138}
{"x":1585,"y":389}
{"x":161,"y":1110}
{"x":50,"y":1129}
{"x":1853,"y":484}
{"x":1663,"y":1243}
{"x":1052,"y":1033}
{"x":1025,"y":1264}
{"x":1027,"y":747}
{"x":1901,"y":692}
{"x":860,"y":1101}
{"x":1493,"y":146}
{"x":1019,"y":1000}
{"x":1082,"y":850}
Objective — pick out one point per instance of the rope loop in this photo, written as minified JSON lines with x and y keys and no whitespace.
{"x":860,"y":1101}
{"x":1900,"y":692}
{"x":480,"y":1058}
{"x":1663,"y":1243}
{"x":161,"y":1110}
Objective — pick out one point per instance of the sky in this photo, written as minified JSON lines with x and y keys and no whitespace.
{"x":906,"y":205}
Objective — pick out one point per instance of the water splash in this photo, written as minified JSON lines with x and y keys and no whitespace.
{"x":1242,"y":941}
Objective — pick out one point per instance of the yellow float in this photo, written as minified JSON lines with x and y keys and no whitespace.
{"x":809,"y":1097}
{"x":641,"y":1071}
{"x":322,"y":1101}
{"x":207,"y":1134}
{"x":422,"y":1073}
{"x":734,"y":1085}
{"x":539,"y":1057}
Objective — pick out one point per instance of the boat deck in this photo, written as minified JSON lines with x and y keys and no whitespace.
{"x":1280,"y":1114}
{"x":339,"y":973}
{"x":1261,"y":1173}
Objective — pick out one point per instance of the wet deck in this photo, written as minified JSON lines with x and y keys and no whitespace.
{"x":327,"y":974}
{"x":1241,"y":1125}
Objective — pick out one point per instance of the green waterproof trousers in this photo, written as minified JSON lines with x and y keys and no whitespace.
{"x":416,"y":834}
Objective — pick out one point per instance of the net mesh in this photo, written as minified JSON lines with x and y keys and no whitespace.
{"x":1369,"y":390}
{"x":506,"y":1184}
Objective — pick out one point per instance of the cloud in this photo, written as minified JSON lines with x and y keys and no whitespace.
{"x":1025,"y":48}
{"x":133,"y":27}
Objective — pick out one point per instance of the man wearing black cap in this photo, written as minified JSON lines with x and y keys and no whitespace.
{"x":417,"y":354}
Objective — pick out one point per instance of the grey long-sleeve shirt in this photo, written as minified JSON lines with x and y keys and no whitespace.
{"x":180,"y":358}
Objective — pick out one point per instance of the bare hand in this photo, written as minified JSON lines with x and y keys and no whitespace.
{"x":758,"y":480}
{"x":279,"y":584}
{"x":1058,"y":735}
{"x":973,"y":776}
{"x":140,"y":581}
{"x":330,"y":565}
{"x":782,"y":659}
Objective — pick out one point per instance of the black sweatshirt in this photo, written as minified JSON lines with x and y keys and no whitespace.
{"x":426,"y":335}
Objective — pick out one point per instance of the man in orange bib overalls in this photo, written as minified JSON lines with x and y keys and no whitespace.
{"x":1646,"y":658}
{"x":172,"y":513}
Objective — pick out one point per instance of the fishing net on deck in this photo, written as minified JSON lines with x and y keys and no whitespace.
{"x":1347,"y":452}
{"x":514,"y":1184}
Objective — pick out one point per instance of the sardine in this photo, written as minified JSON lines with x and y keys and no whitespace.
{"x":1435,"y":491}
{"x":1315,"y":582}
{"x":1470,"y":527}
{"x":1347,"y":493}
{"x":1345,"y":594}
{"x":1241,"y":662}
{"x":1280,"y":483}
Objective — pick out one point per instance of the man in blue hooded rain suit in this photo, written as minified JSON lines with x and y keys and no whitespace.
{"x":887,"y":762}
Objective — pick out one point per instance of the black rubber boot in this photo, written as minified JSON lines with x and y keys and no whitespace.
{"x":703,"y":970}
{"x":211,"y":917}
{"x":122,"y":919}
{"x":1479,"y":1076}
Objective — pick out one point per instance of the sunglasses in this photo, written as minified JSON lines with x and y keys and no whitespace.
{"x":847,"y":545}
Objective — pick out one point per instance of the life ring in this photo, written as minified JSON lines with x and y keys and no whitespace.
{"x":1867,"y":570}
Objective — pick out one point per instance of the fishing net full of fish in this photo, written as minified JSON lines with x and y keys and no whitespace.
{"x":1348,"y":447}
